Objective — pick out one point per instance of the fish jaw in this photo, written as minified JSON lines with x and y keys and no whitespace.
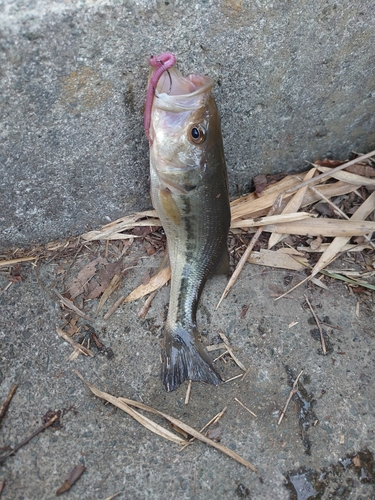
{"x":185,"y":358}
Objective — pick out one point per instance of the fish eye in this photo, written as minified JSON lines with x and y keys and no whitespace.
{"x":197,"y":134}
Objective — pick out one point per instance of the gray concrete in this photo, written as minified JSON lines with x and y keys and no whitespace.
{"x":295,"y":83}
{"x":120,"y":455}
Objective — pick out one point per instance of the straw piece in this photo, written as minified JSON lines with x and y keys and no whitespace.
{"x":324,"y":227}
{"x":293,"y":205}
{"x":338,"y":243}
{"x":16,"y":261}
{"x":274,"y":219}
{"x":125,"y":403}
{"x":356,"y":179}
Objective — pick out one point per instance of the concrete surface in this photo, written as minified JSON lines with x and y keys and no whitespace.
{"x":120,"y":455}
{"x":295,"y":83}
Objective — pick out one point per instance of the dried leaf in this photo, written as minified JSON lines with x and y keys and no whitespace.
{"x":215,"y":432}
{"x":105,"y":275}
{"x":315,"y":244}
{"x":76,"y":286}
{"x":260,"y":183}
{"x":71,"y":478}
{"x":114,"y":284}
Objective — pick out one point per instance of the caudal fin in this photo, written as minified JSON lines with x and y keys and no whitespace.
{"x":185,"y":358}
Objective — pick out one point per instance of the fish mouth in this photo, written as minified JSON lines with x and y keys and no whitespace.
{"x":175,"y":92}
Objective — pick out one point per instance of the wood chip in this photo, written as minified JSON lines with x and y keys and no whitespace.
{"x":156,"y":282}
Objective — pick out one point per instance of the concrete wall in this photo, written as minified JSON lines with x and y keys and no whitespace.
{"x":295,"y":82}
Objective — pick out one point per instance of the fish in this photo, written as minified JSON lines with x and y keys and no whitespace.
{"x":189,"y":191}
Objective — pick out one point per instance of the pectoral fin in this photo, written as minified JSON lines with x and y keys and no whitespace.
{"x":169,"y":206}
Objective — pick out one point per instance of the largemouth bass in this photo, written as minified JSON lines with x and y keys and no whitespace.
{"x":189,"y":190}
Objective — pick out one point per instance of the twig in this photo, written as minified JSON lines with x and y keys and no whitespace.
{"x":188,"y":392}
{"x":216,"y":347}
{"x":221,"y":356}
{"x":246,"y":373}
{"x":318,"y":324}
{"x":4,"y":406}
{"x":233,"y":378}
{"x":228,"y":348}
{"x":25,"y":441}
{"x":246,"y":408}
{"x":146,"y":306}
{"x":16,"y":261}
{"x":74,"y":344}
{"x":69,"y":304}
{"x":2,"y":485}
{"x":115,"y":306}
{"x":291,"y":290}
{"x":116,"y":494}
{"x":213,"y":420}
{"x":293,"y":391}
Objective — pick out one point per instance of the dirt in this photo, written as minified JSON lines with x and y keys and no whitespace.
{"x":318,"y":451}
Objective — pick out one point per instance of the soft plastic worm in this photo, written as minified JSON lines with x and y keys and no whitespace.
{"x":162,"y":63}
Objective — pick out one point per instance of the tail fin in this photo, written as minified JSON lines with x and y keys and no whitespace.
{"x":185,"y":358}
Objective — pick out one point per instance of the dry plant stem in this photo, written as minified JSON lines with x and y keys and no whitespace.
{"x":5,"y":405}
{"x":25,"y":441}
{"x":228,"y":348}
{"x":318,"y":178}
{"x":114,"y":496}
{"x":247,"y":252}
{"x":74,"y":344}
{"x":69,"y":304}
{"x":115,"y":306}
{"x":221,"y":355}
{"x":318,"y":324}
{"x":188,"y":392}
{"x":125,"y":404}
{"x":340,"y":212}
{"x":2,"y":485}
{"x":216,"y":347}
{"x":246,"y":374}
{"x":291,"y":290}
{"x":146,"y":306}
{"x":245,"y":407}
{"x":330,"y":203}
{"x":213,"y":420}
{"x":293,"y":391}
{"x":16,"y":261}
{"x":232,"y":378}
